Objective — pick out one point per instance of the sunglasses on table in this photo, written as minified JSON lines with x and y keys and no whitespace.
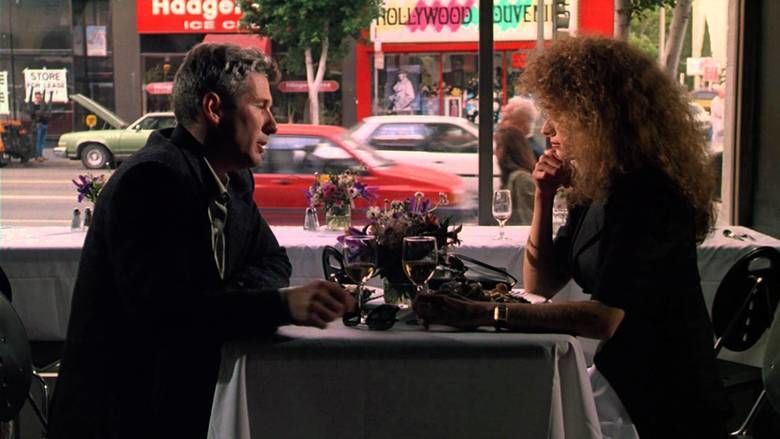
{"x":380,"y":318}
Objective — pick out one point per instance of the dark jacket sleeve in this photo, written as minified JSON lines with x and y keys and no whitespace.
{"x":159,"y":236}
{"x":267,"y":265}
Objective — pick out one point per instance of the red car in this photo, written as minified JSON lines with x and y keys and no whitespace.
{"x":296,"y":152}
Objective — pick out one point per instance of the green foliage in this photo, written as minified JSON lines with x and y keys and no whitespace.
{"x":301,"y":24}
{"x":645,"y":44}
{"x":644,"y":30}
{"x":706,"y":47}
{"x":638,"y":8}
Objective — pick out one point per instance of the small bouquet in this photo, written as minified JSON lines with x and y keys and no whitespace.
{"x":336,"y":192}
{"x":397,"y":219}
{"x":89,"y":187}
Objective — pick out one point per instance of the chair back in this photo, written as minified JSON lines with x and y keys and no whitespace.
{"x":771,"y":368}
{"x":5,"y":286}
{"x":746,"y":300}
{"x":15,"y":362}
{"x":333,"y":266}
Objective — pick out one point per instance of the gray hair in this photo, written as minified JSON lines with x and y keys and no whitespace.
{"x":218,"y":68}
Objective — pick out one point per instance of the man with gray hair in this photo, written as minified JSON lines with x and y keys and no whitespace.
{"x":177,"y":261}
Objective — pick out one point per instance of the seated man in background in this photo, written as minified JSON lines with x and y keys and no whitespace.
{"x":178,"y":261}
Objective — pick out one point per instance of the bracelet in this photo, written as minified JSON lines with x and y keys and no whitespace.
{"x":501,"y":316}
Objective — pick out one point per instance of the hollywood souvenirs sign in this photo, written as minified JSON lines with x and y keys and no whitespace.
{"x":428,"y":21}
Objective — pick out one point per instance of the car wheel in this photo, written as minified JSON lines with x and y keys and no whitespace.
{"x":95,"y":156}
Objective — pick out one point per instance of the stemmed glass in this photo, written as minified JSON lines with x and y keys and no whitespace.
{"x":360,"y":253}
{"x":502,"y":209}
{"x":419,"y":259}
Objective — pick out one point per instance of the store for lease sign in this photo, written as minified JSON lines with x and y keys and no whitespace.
{"x":187,"y":16}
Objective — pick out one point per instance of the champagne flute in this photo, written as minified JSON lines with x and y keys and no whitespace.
{"x":360,"y":254}
{"x":419,"y":259}
{"x":502,"y":209}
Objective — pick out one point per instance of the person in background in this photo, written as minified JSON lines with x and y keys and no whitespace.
{"x":39,"y":110}
{"x":516,"y":161}
{"x":717,"y":116}
{"x":521,"y":113}
{"x":623,"y":139}
{"x":178,"y":261}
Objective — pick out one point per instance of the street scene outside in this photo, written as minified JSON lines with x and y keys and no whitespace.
{"x":411,"y":99}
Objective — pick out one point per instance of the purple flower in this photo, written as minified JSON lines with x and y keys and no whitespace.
{"x":89,"y":187}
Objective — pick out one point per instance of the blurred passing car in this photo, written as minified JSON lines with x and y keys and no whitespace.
{"x":106,"y":147}
{"x":296,"y":152}
{"x":703,"y":97}
{"x":444,"y":143}
{"x":703,"y":118}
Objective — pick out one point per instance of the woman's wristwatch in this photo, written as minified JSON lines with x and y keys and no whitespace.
{"x":501,"y":316}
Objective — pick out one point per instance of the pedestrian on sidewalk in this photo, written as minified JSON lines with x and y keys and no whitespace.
{"x":40,"y":111}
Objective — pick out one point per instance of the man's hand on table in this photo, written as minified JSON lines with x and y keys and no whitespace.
{"x":317,"y":303}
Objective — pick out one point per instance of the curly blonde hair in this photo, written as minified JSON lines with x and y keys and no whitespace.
{"x":622,"y":113}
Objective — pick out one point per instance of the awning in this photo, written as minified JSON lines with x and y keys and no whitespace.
{"x":243,"y":40}
{"x":159,"y":88}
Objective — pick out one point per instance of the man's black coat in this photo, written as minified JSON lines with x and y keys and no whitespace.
{"x":150,"y":312}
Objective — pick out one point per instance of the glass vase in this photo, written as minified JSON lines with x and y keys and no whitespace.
{"x":399,"y":293}
{"x":338,"y":218}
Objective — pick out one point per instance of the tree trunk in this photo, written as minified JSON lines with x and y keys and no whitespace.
{"x":622,"y":19}
{"x":674,"y":42}
{"x":315,"y":81}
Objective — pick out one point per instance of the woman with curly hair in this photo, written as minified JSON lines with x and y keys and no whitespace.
{"x":640,"y":191}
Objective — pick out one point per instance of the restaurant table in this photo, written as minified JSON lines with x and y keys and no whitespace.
{"x":405,"y":382}
{"x":41,"y":263}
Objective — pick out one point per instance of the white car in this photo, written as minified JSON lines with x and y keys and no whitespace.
{"x":445,"y":143}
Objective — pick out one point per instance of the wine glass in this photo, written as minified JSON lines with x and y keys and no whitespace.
{"x":502,"y":209}
{"x":360,"y":263}
{"x":419,"y":259}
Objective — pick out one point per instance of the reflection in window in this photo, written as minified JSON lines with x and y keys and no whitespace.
{"x":305,"y":155}
{"x":395,"y":136}
{"x":451,"y":138}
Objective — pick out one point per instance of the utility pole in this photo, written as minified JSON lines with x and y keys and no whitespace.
{"x":485,"y":156}
{"x":540,"y":25}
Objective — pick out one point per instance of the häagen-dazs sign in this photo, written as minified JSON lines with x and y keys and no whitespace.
{"x":187,"y":16}
{"x":428,"y":21}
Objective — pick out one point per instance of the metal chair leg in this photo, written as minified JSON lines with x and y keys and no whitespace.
{"x":41,"y":412}
{"x":744,"y":429}
{"x":7,"y":430}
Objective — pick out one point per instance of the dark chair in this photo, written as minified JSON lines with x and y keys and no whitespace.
{"x":5,"y":286}
{"x":333,"y":266}
{"x":742,"y":311}
{"x":771,"y":367}
{"x":16,"y":372}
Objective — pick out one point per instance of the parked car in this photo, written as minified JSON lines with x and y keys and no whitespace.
{"x":107,"y":147}
{"x":444,"y":143}
{"x":297,"y":151}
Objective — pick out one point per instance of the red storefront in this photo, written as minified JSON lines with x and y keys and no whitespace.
{"x":435,"y":46}
{"x":168,"y":28}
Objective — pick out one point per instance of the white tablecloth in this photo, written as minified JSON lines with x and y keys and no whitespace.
{"x":41,"y":263}
{"x":405,"y":382}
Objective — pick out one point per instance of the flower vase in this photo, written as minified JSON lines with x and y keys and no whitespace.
{"x":338,"y":218}
{"x":399,"y":293}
